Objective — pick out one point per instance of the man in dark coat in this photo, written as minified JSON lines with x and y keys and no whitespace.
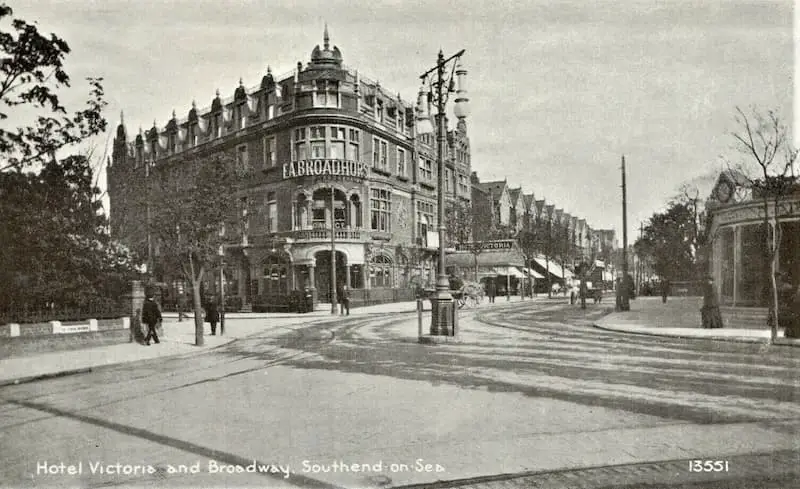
{"x":491,"y":289}
{"x":212,"y":315}
{"x":344,"y":299}
{"x":151,"y":316}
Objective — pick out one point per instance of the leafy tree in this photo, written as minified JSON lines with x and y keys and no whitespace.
{"x":768,"y":164}
{"x":668,"y":241}
{"x":190,"y":219}
{"x":31,"y":75}
{"x":55,"y":245}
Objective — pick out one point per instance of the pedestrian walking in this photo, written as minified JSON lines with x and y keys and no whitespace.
{"x":151,"y":316}
{"x":212,"y":315}
{"x":182,"y":305}
{"x":344,"y":299}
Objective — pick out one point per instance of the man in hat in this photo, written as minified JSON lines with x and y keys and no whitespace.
{"x":151,"y":316}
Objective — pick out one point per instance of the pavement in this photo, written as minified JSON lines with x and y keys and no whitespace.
{"x":679,"y":317}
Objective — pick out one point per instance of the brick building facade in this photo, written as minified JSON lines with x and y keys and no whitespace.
{"x":329,"y":152}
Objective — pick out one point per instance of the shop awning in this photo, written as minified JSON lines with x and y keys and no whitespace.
{"x":533,"y":273}
{"x":497,"y":259}
{"x":553,"y":267}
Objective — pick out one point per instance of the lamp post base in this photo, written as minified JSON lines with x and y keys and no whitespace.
{"x":442,"y":320}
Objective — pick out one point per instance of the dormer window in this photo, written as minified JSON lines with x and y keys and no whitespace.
{"x":379,"y":111}
{"x":172,"y":144}
{"x":192,"y":135}
{"x":241,"y":116}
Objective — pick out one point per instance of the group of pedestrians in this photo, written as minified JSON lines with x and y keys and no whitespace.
{"x":152,"y":318}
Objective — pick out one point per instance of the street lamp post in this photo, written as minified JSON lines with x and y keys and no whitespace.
{"x":442,"y":306}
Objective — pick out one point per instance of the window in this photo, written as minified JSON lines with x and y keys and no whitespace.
{"x":380,"y":150}
{"x":317,"y":149}
{"x":401,"y":162}
{"x":192,"y":135}
{"x":300,"y":148}
{"x":326,"y":93}
{"x":353,"y":152}
{"x":425,"y":169}
{"x":381,"y":207}
{"x":317,"y":132}
{"x":337,"y":150}
{"x":379,"y":111}
{"x":446,"y":180}
{"x":463,"y":186}
{"x":245,"y":223}
{"x":242,"y":162}
{"x":270,"y":111}
{"x":301,"y":212}
{"x":381,"y":272}
{"x":270,"y":156}
{"x":272,"y":213}
{"x":425,"y":218}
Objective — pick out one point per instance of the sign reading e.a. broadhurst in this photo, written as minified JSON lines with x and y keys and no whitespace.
{"x":322,"y":167}
{"x":505,"y":244}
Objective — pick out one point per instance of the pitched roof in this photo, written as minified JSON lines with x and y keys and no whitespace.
{"x":528,"y":200}
{"x":494,"y":188}
{"x":514,"y":193}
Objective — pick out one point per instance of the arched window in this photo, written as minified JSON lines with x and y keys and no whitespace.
{"x":355,"y":211}
{"x":381,"y":272}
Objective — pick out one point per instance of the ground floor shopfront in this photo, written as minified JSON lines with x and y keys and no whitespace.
{"x":264,"y":277}
{"x":739,"y":243}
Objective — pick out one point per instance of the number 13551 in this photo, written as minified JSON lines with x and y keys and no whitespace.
{"x":708,"y":465}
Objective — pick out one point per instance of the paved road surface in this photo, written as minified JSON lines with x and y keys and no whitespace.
{"x":532,"y":390}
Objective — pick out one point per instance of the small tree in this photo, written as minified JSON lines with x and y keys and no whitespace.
{"x":187,"y":220}
{"x":769,"y":166}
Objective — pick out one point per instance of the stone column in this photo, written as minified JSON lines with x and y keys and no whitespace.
{"x":292,"y":277}
{"x":311,"y":283}
{"x":347,"y":276}
{"x":365,"y":275}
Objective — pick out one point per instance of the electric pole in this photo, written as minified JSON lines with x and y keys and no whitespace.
{"x":624,"y":298}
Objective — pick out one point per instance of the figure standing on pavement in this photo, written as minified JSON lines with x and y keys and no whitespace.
{"x":665,"y":286}
{"x":344,"y":299}
{"x":212,"y":315}
{"x":710,"y":315}
{"x":491,"y":290}
{"x":151,"y":316}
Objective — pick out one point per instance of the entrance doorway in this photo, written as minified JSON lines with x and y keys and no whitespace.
{"x":323,"y":273}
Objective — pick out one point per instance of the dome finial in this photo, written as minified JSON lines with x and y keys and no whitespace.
{"x":325,"y":38}
{"x":218,"y":93}
{"x":241,"y":81}
{"x":121,"y":117}
{"x":194,"y":104}
{"x":174,"y":116}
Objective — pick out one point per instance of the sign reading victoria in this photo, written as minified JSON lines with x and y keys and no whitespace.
{"x":322,"y":167}
{"x":499,"y":245}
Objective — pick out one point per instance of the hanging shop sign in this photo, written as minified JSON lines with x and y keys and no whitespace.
{"x":325,"y":167}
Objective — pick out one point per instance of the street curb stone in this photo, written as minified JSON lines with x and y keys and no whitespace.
{"x":731,"y":339}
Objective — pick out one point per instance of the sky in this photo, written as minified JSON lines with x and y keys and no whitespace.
{"x":559,"y":90}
